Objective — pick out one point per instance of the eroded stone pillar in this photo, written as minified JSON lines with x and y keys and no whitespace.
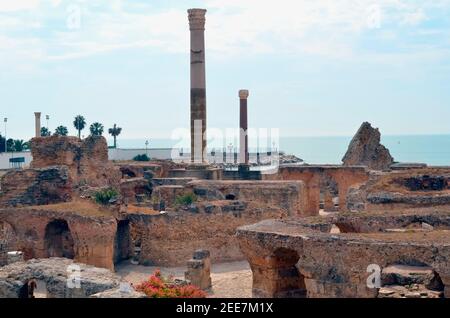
{"x":243,"y":125}
{"x":199,"y":270}
{"x":198,"y":85}
{"x":37,"y":124}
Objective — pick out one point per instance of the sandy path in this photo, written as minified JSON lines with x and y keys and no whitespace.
{"x":229,"y":280}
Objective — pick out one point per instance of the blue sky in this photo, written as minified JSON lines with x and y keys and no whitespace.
{"x":313,"y":68}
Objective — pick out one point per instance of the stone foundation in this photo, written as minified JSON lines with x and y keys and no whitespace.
{"x":297,"y":257}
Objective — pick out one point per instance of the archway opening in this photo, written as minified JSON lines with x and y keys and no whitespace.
{"x":58,"y":240}
{"x":290,"y":283}
{"x":33,"y":288}
{"x":329,"y":195}
{"x":122,"y":242}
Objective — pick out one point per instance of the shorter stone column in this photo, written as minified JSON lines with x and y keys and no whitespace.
{"x":243,"y":127}
{"x":37,"y":124}
{"x":199,"y":270}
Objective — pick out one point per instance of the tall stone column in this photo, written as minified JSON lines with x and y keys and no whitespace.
{"x":243,"y":125}
{"x":37,"y":124}
{"x":198,"y":85}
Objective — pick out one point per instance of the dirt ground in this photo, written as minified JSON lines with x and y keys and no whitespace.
{"x":229,"y":280}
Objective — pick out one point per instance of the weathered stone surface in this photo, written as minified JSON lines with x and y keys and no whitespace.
{"x":415,"y":188}
{"x":289,"y":195}
{"x":92,"y":236}
{"x":328,"y":179}
{"x":55,"y":273}
{"x":365,"y":149}
{"x":87,"y":159}
{"x":36,"y":186}
{"x":295,"y":256}
{"x":135,"y":190}
{"x":119,"y":293}
{"x":199,"y":270}
{"x":170,"y":239}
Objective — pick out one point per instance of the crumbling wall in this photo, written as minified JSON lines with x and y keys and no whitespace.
{"x":170,"y":239}
{"x":36,"y":186}
{"x":415,"y":188}
{"x":297,"y":257}
{"x":93,"y":237}
{"x":314,"y":177}
{"x":87,"y":159}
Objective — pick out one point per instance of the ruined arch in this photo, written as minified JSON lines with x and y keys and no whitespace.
{"x":329,"y":194}
{"x":290,"y":283}
{"x":58,"y":240}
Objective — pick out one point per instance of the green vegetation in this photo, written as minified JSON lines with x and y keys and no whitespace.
{"x":186,"y":199}
{"x":45,"y":132}
{"x":79,"y":123}
{"x":61,"y":131}
{"x":96,"y":129}
{"x":105,"y":196}
{"x":142,"y":157}
{"x":115,"y":131}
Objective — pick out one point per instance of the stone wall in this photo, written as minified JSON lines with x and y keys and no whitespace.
{"x":170,"y":239}
{"x":93,"y":237}
{"x":87,"y":159}
{"x":288,"y":195}
{"x":36,"y":186}
{"x":404,"y":189}
{"x":315,"y":178}
{"x":298,"y":257}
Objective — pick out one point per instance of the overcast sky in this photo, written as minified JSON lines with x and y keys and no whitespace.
{"x":313,"y":68}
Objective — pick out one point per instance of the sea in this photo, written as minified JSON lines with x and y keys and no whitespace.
{"x":430,"y":149}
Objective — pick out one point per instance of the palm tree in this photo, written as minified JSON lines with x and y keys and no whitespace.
{"x":115,"y":131}
{"x":61,"y":131}
{"x":19,"y":145}
{"x":45,"y":132}
{"x":96,"y":129}
{"x":10,"y":145}
{"x":79,"y":124}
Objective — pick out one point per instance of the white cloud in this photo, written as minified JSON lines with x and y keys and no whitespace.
{"x":18,"y":5}
{"x":234,"y":27}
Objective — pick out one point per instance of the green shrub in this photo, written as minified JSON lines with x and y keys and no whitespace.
{"x":142,"y":157}
{"x":104,"y":196}
{"x":184,"y":200}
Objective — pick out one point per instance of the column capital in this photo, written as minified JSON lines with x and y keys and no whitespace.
{"x":243,"y":94}
{"x":37,"y":114}
{"x":197,"y":19}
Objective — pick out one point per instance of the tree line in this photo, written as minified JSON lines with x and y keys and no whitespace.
{"x":95,"y":129}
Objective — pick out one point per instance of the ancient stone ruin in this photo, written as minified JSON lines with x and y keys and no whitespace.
{"x":365,"y":149}
{"x":304,"y":258}
{"x":199,"y":270}
{"x":59,"y":278}
{"x":305,"y":230}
